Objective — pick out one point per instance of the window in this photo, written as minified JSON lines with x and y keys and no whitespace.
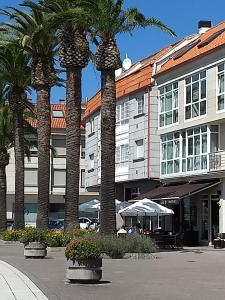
{"x":168,"y":110}
{"x":30,"y":177}
{"x":221,"y":87}
{"x":91,"y":161}
{"x":59,"y":178}
{"x":170,"y":157}
{"x":122,"y":113}
{"x":57,"y":113}
{"x":195,"y":95}
{"x":140,"y":104}
{"x":214,"y":144}
{"x":33,"y":146}
{"x":122,"y":153}
{"x":195,"y":153}
{"x":91,"y":122}
{"x":139,"y":148}
{"x":82,"y":178}
{"x":82,"y":148}
{"x":59,"y":143}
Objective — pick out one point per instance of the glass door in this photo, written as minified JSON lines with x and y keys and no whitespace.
{"x":205,"y":220}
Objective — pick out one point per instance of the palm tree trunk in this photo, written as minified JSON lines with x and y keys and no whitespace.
{"x":73,"y":119}
{"x":108,"y":125}
{"x":19,"y":167}
{"x":44,"y":132}
{"x":2,"y":197}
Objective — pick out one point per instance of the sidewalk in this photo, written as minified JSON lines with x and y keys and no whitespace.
{"x":14,"y":285}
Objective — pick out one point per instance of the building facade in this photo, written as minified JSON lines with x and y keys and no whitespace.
{"x":137,"y":141}
{"x":57,"y":172}
{"x":190,"y":88}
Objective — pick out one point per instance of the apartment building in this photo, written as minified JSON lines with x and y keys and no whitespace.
{"x":190,"y":88}
{"x":137,"y":141}
{"x":57,"y":171}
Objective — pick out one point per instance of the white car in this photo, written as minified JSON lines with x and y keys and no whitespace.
{"x":84,"y":222}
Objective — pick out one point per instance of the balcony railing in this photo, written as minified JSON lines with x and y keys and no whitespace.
{"x":217,"y":161}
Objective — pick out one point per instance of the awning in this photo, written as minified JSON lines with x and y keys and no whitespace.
{"x":178,"y":191}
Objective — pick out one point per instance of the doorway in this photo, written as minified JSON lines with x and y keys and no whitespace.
{"x":214,"y":216}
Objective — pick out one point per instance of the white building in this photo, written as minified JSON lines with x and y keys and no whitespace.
{"x":190,"y":87}
{"x":57,"y":172}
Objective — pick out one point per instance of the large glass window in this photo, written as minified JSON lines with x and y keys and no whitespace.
{"x":188,"y":151}
{"x":122,"y":153}
{"x":221,"y":87}
{"x":194,"y":155}
{"x":59,"y":143}
{"x":195,"y":95}
{"x":168,"y":110}
{"x":170,"y":149}
{"x":122,"y":113}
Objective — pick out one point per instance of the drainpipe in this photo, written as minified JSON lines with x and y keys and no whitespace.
{"x":148,"y":133}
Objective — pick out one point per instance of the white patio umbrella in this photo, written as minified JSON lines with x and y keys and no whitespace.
{"x":90,"y":206}
{"x":146,"y":207}
{"x":95,"y":205}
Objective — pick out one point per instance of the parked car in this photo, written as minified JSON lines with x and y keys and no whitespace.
{"x":56,"y":224}
{"x":85,"y":222}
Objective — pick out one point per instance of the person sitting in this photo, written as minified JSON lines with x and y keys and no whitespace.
{"x":122,"y":231}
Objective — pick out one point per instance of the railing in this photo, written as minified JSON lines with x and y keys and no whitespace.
{"x":217,"y":161}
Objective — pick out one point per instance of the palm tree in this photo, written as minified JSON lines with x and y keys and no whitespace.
{"x":110,"y":18}
{"x":15,"y":73}
{"x":6,"y":142}
{"x":32,"y":31}
{"x":71,"y":23}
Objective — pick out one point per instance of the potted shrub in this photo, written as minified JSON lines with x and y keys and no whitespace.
{"x":34,"y":241}
{"x":84,"y":260}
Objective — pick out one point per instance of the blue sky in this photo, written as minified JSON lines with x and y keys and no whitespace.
{"x":181,"y":16}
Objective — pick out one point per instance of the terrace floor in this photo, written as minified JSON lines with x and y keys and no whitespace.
{"x":189,"y":274}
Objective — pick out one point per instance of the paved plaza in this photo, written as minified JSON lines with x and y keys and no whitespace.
{"x":190,"y":274}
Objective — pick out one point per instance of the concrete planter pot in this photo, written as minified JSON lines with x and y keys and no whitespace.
{"x":35,"y":250}
{"x":88,"y":271}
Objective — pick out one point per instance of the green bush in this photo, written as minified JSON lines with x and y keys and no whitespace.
{"x":116,"y":247}
{"x":30,"y":235}
{"x":57,"y":238}
{"x":82,"y":249}
{"x":11,"y":235}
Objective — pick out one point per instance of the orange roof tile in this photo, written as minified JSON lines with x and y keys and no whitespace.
{"x":197,"y":51}
{"x":137,"y":77}
{"x":58,"y":123}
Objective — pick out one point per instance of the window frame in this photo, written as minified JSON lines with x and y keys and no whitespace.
{"x":126,"y":154}
{"x":91,"y":165}
{"x":53,"y":178}
{"x":82,"y":182}
{"x":30,"y":185}
{"x":137,"y":147}
{"x":140,"y":99}
{"x":217,"y":87}
{"x":202,"y":157}
{"x":200,"y":100}
{"x":58,"y":116}
{"x":61,"y":138}
{"x":125,"y":120}
{"x":174,"y":109}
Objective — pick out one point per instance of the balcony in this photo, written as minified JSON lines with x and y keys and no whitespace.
{"x":217,"y":161}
